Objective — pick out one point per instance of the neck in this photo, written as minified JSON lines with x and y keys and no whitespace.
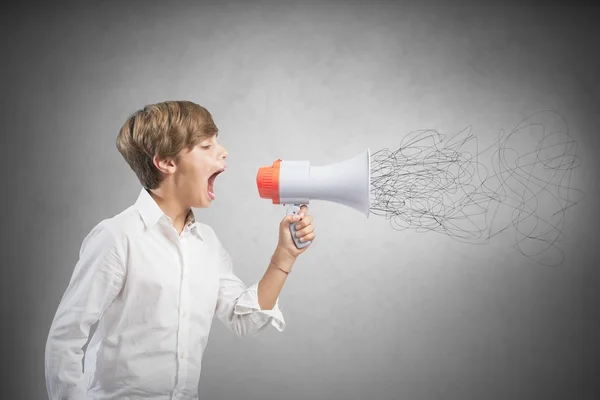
{"x":171,"y":206}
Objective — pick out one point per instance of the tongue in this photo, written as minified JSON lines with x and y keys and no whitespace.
{"x":211,"y":190}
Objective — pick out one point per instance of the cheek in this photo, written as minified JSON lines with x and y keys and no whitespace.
{"x":199,"y":177}
{"x":192,"y":177}
{"x":196,"y":171}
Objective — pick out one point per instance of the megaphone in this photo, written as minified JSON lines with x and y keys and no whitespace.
{"x":294,"y":183}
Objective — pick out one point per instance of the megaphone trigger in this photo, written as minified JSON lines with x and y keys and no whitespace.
{"x":294,"y":209}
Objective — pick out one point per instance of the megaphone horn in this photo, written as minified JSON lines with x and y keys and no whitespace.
{"x":294,"y":183}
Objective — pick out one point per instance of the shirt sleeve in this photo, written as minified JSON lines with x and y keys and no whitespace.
{"x":237,"y":305}
{"x":96,"y":280}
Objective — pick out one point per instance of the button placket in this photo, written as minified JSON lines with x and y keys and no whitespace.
{"x":182,"y":332}
{"x":183,"y":313}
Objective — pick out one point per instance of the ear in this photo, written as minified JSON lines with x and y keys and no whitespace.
{"x":167,"y":166}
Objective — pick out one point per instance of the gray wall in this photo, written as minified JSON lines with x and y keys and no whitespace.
{"x":371,"y":312}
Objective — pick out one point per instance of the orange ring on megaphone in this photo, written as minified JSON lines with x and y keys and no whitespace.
{"x":267,"y":181}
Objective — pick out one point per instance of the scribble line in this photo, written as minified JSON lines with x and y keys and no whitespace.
{"x":431,"y":182}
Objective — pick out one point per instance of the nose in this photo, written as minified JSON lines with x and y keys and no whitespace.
{"x":223,"y":153}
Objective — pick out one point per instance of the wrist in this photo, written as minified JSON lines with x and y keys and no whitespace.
{"x":283,"y":258}
{"x":283,"y":255}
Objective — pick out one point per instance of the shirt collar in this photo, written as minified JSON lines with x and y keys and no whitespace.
{"x":151,"y":213}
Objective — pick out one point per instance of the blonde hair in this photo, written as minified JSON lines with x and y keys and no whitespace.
{"x":162,"y":130}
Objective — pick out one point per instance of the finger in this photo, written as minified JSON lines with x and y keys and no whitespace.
{"x":305,"y":231}
{"x":290,"y":219}
{"x":303,"y":211}
{"x":309,"y":237}
{"x":305,"y":222}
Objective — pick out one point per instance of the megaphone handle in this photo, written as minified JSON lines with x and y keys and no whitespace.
{"x":295,"y":209}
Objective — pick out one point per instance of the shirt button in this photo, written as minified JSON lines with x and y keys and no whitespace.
{"x":182,"y":355}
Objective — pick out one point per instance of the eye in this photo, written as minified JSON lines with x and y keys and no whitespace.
{"x":206,"y":147}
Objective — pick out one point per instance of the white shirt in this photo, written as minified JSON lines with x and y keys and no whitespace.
{"x":155,"y":294}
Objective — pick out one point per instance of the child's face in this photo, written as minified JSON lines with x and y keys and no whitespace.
{"x":196,"y":172}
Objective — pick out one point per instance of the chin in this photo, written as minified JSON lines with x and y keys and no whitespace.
{"x":202,"y":203}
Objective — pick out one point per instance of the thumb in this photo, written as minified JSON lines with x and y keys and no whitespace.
{"x":290,"y":219}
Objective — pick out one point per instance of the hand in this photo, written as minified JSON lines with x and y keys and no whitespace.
{"x":304,"y":228}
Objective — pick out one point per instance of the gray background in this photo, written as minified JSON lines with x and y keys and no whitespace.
{"x":372,"y":313}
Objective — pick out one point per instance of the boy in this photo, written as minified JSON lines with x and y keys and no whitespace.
{"x":154,"y":277}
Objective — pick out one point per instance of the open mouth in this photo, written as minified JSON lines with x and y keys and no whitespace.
{"x":211,"y":183}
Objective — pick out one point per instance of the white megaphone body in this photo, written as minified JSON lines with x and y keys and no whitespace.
{"x":294,"y":183}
